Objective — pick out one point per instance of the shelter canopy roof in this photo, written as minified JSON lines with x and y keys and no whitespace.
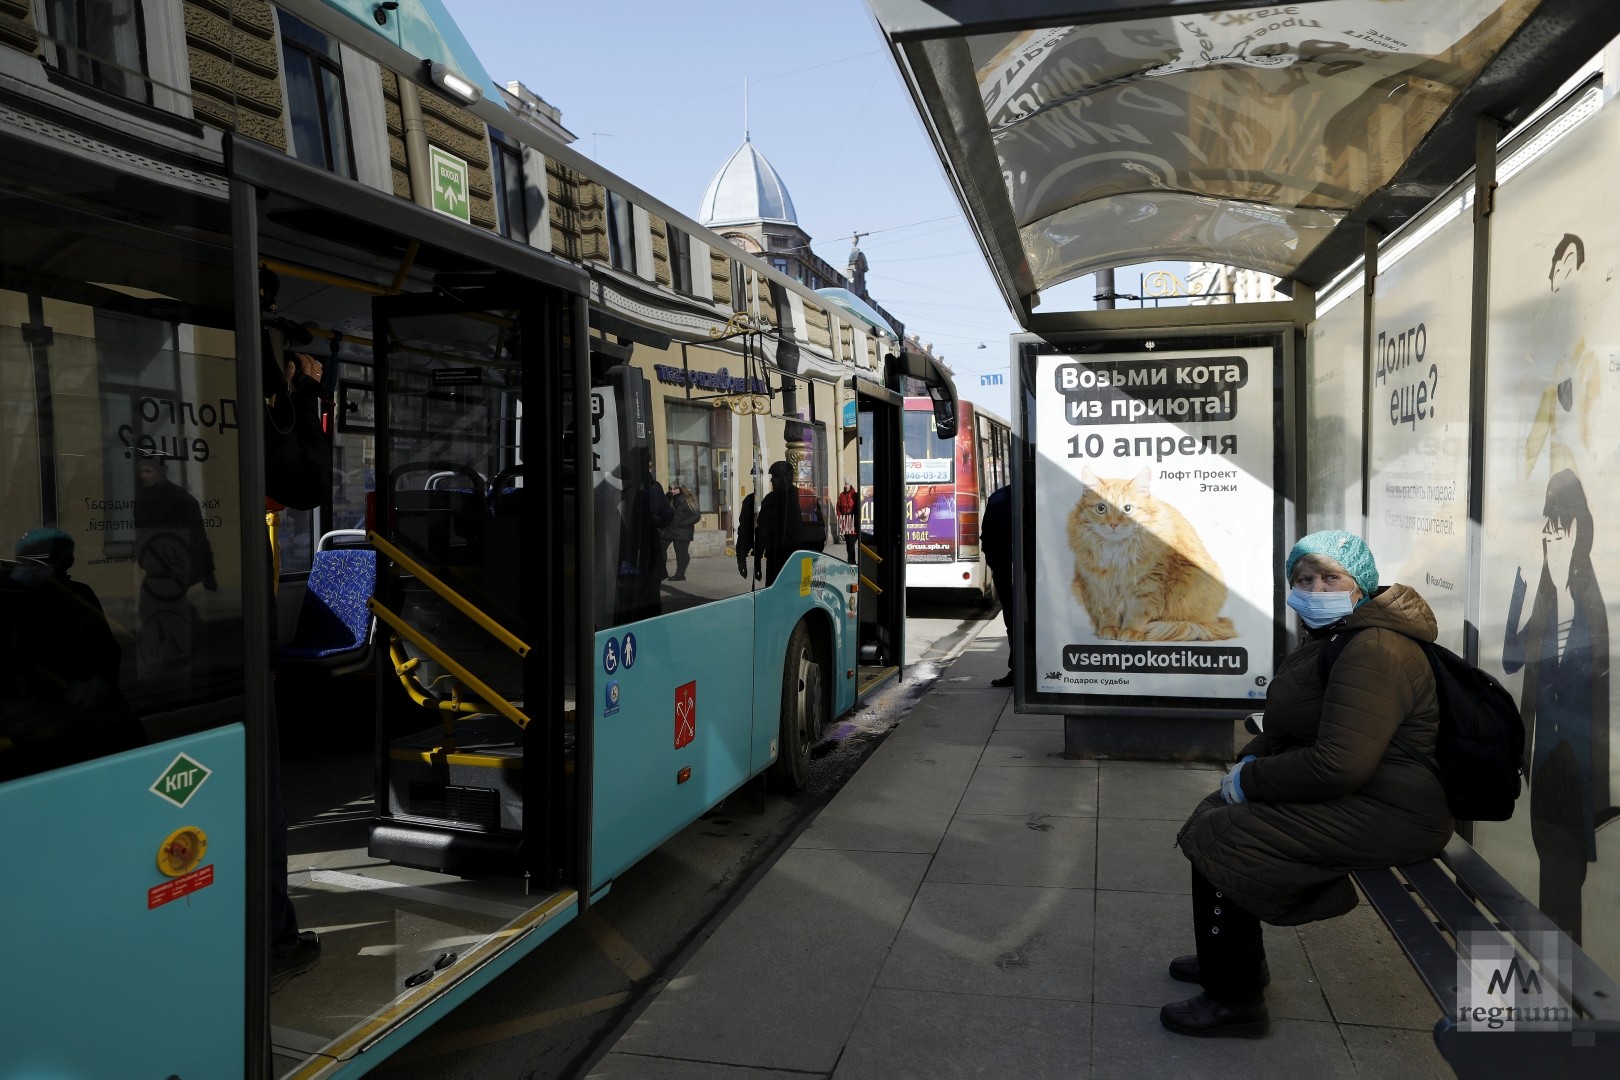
{"x":1087,"y":134}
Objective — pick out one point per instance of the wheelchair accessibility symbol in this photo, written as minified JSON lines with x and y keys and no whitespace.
{"x":610,"y":656}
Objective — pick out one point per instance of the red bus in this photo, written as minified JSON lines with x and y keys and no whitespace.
{"x":947,"y":480}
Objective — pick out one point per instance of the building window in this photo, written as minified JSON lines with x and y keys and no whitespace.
{"x":101,"y":42}
{"x":680,"y":260}
{"x":739,"y":287}
{"x":621,"y":233}
{"x":513,"y":216}
{"x":315,"y":102}
{"x":697,"y":451}
{"x":780,"y":264}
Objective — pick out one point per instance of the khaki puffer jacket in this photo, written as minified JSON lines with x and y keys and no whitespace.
{"x":1330,"y":791}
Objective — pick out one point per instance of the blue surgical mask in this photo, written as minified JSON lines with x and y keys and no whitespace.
{"x":1317,"y":609}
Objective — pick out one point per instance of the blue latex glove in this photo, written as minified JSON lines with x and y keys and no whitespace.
{"x":1231,"y":785}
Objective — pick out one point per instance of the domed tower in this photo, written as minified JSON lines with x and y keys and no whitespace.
{"x":748,"y":203}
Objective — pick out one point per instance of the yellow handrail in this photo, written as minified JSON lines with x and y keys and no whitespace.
{"x":456,"y":600}
{"x":874,"y":556}
{"x":322,"y":277}
{"x":272,"y":525}
{"x":404,"y":668}
{"x":440,"y":657}
{"x":870,"y":584}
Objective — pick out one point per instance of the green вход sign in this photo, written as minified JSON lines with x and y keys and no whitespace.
{"x":449,"y":184}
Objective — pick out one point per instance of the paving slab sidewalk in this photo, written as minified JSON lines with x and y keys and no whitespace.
{"x":973,"y":904}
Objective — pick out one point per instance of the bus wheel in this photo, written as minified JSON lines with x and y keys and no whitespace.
{"x":804,"y":704}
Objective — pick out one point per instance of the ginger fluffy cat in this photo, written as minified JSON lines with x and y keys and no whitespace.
{"x":1140,"y":570}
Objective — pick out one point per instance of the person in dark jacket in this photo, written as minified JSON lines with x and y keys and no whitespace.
{"x":747,"y":525}
{"x":297,"y":475}
{"x":682,"y":526}
{"x":995,"y":540}
{"x":174,"y":552}
{"x":1339,"y":779}
{"x":59,"y":699}
{"x":643,"y":551}
{"x":779,"y":531}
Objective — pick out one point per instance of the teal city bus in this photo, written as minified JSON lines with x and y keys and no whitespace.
{"x":504,"y":673}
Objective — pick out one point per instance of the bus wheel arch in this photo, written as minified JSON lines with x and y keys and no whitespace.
{"x":806,"y":701}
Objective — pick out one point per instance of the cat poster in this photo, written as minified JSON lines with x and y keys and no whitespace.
{"x":1156,"y":523}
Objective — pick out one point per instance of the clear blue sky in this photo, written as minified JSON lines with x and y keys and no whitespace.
{"x":654,"y":91}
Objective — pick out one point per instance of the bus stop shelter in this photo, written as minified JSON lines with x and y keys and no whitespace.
{"x":1084,"y":135}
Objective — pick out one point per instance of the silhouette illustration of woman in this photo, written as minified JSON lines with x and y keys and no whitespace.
{"x":1564,"y":651}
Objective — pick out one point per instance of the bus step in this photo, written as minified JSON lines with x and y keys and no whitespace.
{"x":448,"y":851}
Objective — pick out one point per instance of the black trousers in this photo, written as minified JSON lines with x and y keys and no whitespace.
{"x":1230,"y":947}
{"x":1002,"y":582}
{"x":283,"y":918}
{"x":1558,"y":830}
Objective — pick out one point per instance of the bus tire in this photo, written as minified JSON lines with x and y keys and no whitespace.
{"x":804,"y":707}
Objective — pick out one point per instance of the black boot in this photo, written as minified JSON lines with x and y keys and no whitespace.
{"x":1205,"y":1017}
{"x":1231,"y":963}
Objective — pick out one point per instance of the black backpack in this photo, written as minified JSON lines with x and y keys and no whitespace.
{"x":1480,"y":745}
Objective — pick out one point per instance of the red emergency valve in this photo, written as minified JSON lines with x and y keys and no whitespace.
{"x":181,"y":851}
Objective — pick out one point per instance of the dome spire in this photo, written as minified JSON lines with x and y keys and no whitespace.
{"x":747,"y":191}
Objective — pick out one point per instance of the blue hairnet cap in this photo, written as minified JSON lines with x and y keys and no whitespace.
{"x":1345,"y":548}
{"x":43,"y":543}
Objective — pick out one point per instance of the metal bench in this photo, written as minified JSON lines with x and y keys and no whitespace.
{"x":1481,"y":948}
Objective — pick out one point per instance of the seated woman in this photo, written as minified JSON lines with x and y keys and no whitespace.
{"x":1333,"y":783}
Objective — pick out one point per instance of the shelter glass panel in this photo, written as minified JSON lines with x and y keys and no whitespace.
{"x":1333,"y":396}
{"x":1417,"y":496}
{"x":1550,"y":553}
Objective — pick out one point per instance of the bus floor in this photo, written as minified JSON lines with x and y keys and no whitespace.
{"x":386,"y":930}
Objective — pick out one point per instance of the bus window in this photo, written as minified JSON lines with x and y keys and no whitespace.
{"x":863,"y":426}
{"x":121,"y":604}
{"x":354,"y":450}
{"x":671,"y":424}
{"x":930,"y":459}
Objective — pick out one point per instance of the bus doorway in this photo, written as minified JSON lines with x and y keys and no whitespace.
{"x":473,"y":533}
{"x":881,"y":552}
{"x":431,"y":812}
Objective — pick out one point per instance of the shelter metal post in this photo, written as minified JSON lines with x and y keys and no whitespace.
{"x":1486,"y":136}
{"x":1369,"y":278}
